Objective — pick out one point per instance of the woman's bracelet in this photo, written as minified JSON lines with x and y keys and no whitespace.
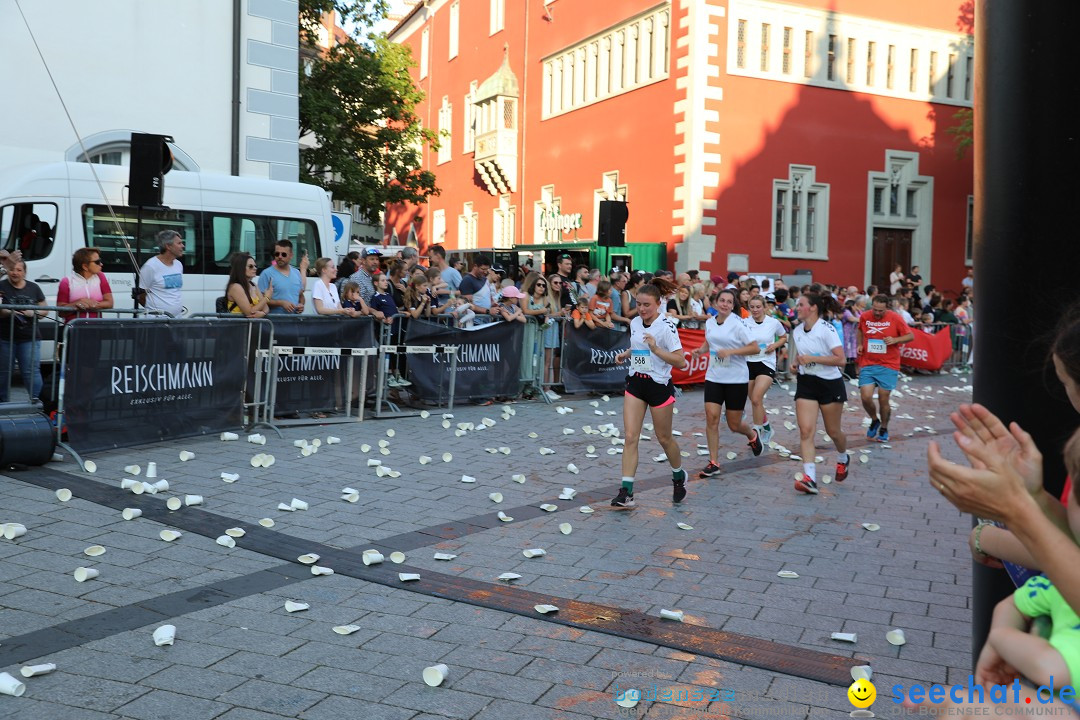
{"x":978,"y":538}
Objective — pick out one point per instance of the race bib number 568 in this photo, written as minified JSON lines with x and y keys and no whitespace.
{"x":639,"y":360}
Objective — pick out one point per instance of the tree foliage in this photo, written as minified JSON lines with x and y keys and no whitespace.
{"x":358,"y":102}
{"x":964,"y":130}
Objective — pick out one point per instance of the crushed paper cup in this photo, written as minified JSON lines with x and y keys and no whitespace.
{"x":508,"y":577}
{"x":468,"y":479}
{"x":629,"y":698}
{"x":545,"y":609}
{"x":165,"y":635}
{"x":63,"y":494}
{"x":267,"y":522}
{"x":371,"y":557}
{"x":374,"y":462}
{"x":572,"y":468}
{"x":504,"y":517}
{"x":444,"y":556}
{"x":732,"y":455}
{"x":676,"y":615}
{"x":789,"y":574}
{"x":518,"y":478}
{"x":151,"y":470}
{"x":504,"y":450}
{"x":448,"y":416}
{"x":308,"y":559}
{"x":230,"y":477}
{"x":566,"y":528}
{"x":408,"y":577}
{"x":896,"y":637}
{"x":132,"y":469}
{"x":351,"y":497}
{"x":332,"y":440}
{"x":190,"y":500}
{"x":227,"y":436}
{"x":424,"y":460}
{"x":586,"y":510}
{"x":346,"y":629}
{"x":397,"y":557}
{"x":94,"y":551}
{"x":819,"y":459}
{"x":34,"y":670}
{"x":568,"y":431}
{"x":533,"y":435}
{"x":845,"y":637}
{"x":435,"y":675}
{"x":169,"y":535}
{"x":286,"y":507}
{"x":256,"y":439}
{"x":447,"y":457}
{"x":684,"y":526}
{"x":861,"y":672}
{"x":130,"y":513}
{"x":83,"y":574}
{"x":174,"y":503}
{"x":495,"y":497}
{"x":871,"y":527}
{"x":459,"y":433}
{"x":567,"y":493}
{"x":548,"y":507}
{"x":236,"y":532}
{"x":226,"y":541}
{"x":186,"y":455}
{"x":298,"y":504}
{"x":293,"y":606}
{"x":488,"y":421}
{"x":546,"y":451}
{"x":320,"y":570}
{"x":534,"y":552}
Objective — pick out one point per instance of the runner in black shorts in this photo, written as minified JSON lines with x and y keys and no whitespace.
{"x":770,"y":335}
{"x":654,"y":349}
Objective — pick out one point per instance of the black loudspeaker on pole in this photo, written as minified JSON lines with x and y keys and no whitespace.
{"x":1026,"y":154}
{"x":151,"y":158}
{"x":612,"y":227}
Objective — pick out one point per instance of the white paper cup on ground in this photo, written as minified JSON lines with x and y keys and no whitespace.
{"x":333,"y":440}
{"x":546,"y":609}
{"x":267,"y":522}
{"x":90,"y":466}
{"x":236,"y":532}
{"x":94,"y":551}
{"x":186,"y":455}
{"x":63,"y":494}
{"x":845,"y":637}
{"x":226,"y":541}
{"x":320,"y":570}
{"x":140,"y":487}
{"x":434,"y":676}
{"x":308,"y":559}
{"x":293,"y":606}
{"x":129,"y":484}
{"x":227,"y":436}
{"x":34,"y":670}
{"x":9,"y":685}
{"x":169,"y":535}
{"x":159,"y":486}
{"x":397,"y":557}
{"x":408,"y":577}
{"x":346,"y":629}
{"x":862,"y":672}
{"x":676,"y":615}
{"x":628,"y":698}
{"x":495,"y":497}
{"x":165,"y":635}
{"x":132,"y":469}
{"x":534,"y":552}
{"x":372,"y":557}
{"x":298,"y":504}
{"x":896,"y":637}
{"x":190,"y":500}
{"x":174,"y":503}
{"x":256,"y":439}
{"x":14,"y":530}
{"x":566,"y":528}
{"x":151,"y":470}
{"x":131,"y":513}
{"x":230,"y":477}
{"x":83,"y":574}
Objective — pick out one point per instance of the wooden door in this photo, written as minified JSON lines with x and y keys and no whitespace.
{"x":892,"y":247}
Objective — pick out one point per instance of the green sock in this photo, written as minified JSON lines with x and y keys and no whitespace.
{"x":766,"y":427}
{"x":628,"y":483}
{"x":678,"y":474}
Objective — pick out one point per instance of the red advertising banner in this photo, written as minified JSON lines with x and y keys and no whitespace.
{"x":926,"y":351}
{"x":694,"y":372}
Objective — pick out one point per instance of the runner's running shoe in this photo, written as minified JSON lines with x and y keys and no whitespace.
{"x":678,"y":489}
{"x":711,"y":470}
{"x":806,"y":485}
{"x":625,"y":498}
{"x":766,"y":438}
{"x":841,"y":471}
{"x":872,"y":430}
{"x":755,"y":445}
{"x":883,"y":434}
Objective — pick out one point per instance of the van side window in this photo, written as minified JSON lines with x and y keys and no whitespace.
{"x":256,"y":235}
{"x":29,"y":227}
{"x":108,"y":234}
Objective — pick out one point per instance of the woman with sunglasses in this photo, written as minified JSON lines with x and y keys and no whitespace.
{"x":242,"y":296}
{"x":86,"y":289}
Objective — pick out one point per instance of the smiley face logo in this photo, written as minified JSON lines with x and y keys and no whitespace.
{"x":862,"y":693}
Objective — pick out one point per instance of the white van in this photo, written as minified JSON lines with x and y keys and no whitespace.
{"x":50,"y":210}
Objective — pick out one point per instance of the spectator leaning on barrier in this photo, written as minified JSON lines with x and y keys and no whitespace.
{"x":287,"y":294}
{"x":242,"y":297}
{"x":382,"y":302}
{"x":20,"y":337}
{"x":350,"y":298}
{"x":86,"y":289}
{"x":450,"y":276}
{"x":476,"y":289}
{"x":418,"y":297}
{"x":369,"y":265}
{"x":509,"y":310}
{"x":162,"y":277}
{"x":324,"y":294}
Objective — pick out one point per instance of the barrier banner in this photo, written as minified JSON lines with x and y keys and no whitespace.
{"x":311,"y":382}
{"x":588,"y":359}
{"x":127,"y":382}
{"x":694,"y":372}
{"x":488,"y":363}
{"x":927,"y":351}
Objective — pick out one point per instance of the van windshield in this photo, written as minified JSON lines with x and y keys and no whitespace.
{"x":108,"y":234}
{"x":29,"y":227}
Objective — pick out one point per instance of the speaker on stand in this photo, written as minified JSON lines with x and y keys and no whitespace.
{"x":612,"y":226}
{"x":151,"y":158}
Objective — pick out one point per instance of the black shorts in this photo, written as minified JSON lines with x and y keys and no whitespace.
{"x":823,"y":392}
{"x":731,"y":395}
{"x":653,"y":393}
{"x":758,"y":368}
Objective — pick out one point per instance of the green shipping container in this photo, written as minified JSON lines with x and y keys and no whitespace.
{"x":648,"y":257}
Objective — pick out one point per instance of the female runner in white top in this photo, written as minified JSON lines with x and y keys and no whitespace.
{"x":655,"y":348}
{"x":728,"y":342}
{"x":769,"y":335}
{"x":819,"y":355}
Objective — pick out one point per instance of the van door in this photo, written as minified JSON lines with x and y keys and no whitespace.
{"x":30,"y":227}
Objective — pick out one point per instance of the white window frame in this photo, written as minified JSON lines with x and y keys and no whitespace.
{"x":446,"y":124}
{"x":498,"y":16}
{"x":469,"y":113}
{"x":610,"y":189}
{"x":901,"y":171}
{"x":455,"y":26}
{"x":467,"y":227}
{"x":503,"y":222}
{"x":425,"y":47}
{"x":548,"y":202}
{"x":438,"y":226}
{"x":802,"y":182}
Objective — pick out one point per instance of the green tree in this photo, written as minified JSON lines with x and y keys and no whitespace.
{"x":358,"y":102}
{"x":964,"y":130}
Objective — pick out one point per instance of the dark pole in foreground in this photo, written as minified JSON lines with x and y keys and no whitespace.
{"x":1026,"y":249}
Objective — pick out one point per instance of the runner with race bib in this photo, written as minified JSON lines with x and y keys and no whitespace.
{"x":770,"y":335}
{"x":818,"y":357}
{"x":655,"y":348}
{"x":879,"y":333}
{"x":728,"y":343}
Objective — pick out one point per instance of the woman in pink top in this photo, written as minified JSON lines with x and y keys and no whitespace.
{"x":86,"y":289}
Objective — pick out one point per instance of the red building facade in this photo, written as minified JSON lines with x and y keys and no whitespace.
{"x":748,"y":135}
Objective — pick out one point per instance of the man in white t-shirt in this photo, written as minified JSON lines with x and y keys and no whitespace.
{"x":162,"y":277}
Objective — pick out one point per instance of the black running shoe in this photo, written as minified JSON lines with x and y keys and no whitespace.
{"x":755,"y":445}
{"x":711,"y":470}
{"x":871,"y":431}
{"x":678,"y":490}
{"x":625,"y":498}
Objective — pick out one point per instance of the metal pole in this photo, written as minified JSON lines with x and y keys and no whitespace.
{"x":1026,"y":154}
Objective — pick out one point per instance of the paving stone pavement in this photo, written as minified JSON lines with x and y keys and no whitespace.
{"x":240,"y":655}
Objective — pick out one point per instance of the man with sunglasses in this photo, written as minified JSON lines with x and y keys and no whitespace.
{"x":286,"y":296}
{"x":162,"y":277}
{"x":365,"y":275}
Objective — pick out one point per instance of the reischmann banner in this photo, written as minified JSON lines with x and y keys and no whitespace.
{"x":588,"y":359}
{"x":488,"y":363}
